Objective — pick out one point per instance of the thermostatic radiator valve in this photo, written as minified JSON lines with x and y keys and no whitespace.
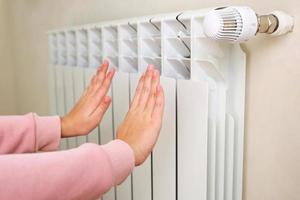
{"x":237,"y":24}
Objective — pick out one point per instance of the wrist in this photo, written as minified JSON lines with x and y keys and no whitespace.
{"x":65,"y":127}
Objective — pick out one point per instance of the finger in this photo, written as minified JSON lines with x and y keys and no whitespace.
{"x":138,"y":92}
{"x":82,"y":99}
{"x":146,"y":87}
{"x":91,"y":85}
{"x":95,"y":82}
{"x":98,"y":114}
{"x":153,"y":93}
{"x":99,"y":77}
{"x":102,"y":70}
{"x":158,"y":110}
{"x":102,"y":91}
{"x":89,"y":89}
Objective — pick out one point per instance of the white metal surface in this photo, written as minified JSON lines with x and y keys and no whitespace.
{"x":164,"y":153}
{"x":229,"y":156}
{"x":52,"y":91}
{"x":192,"y":116}
{"x":199,"y":154}
{"x":220,"y":142}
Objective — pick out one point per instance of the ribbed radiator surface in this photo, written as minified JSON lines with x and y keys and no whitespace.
{"x":199,"y":154}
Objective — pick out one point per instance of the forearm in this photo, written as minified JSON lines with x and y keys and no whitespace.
{"x":85,"y":172}
{"x":29,"y":133}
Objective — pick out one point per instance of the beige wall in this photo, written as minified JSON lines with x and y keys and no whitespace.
{"x":272,"y":140}
{"x":7,"y":87}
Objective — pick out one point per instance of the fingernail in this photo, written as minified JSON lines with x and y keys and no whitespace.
{"x":111,"y":72}
{"x":150,"y":67}
{"x":107,"y":99}
{"x":105,"y":62}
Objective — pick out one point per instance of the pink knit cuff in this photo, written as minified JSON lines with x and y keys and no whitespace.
{"x":48,"y":132}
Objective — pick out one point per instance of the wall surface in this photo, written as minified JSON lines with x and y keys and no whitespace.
{"x":272,"y":140}
{"x":7,"y":87}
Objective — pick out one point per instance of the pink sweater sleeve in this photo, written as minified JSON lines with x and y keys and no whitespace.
{"x":29,"y":133}
{"x":83,"y":173}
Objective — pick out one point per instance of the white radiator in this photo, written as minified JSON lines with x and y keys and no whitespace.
{"x":199,"y":154}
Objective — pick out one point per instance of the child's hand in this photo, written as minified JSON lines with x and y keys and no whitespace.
{"x":142,"y":124}
{"x":89,"y":110}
